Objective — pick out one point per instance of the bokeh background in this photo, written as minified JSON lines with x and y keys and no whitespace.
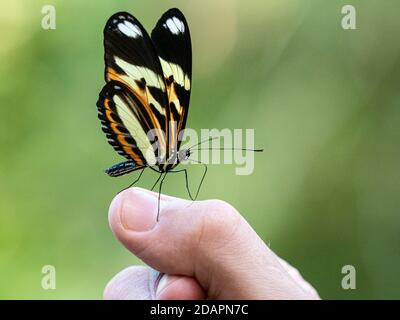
{"x":324,"y":103}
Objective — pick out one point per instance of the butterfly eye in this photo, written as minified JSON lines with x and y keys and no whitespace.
{"x":183,"y":155}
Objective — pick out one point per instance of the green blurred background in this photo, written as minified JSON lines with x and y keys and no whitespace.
{"x":324,"y":103}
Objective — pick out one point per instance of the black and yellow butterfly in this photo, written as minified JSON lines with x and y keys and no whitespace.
{"x":147,"y":92}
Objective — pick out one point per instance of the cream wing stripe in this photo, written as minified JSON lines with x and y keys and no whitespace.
{"x":172,"y":69}
{"x":132,"y":124}
{"x":137,"y":73}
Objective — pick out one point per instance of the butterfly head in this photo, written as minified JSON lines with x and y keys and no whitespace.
{"x":183,"y":155}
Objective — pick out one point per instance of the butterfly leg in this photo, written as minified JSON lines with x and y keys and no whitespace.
{"x":154,"y":185}
{"x":202,"y":178}
{"x":159,"y":194}
{"x":187,"y":180}
{"x":187,"y":185}
{"x":137,"y":179}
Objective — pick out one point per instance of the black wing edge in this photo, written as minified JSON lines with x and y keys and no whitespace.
{"x":171,"y":47}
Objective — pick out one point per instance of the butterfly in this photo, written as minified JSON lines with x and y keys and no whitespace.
{"x":144,"y":105}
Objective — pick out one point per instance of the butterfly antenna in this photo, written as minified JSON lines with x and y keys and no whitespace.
{"x":202,"y":141}
{"x":240,"y":149}
{"x":213,"y":138}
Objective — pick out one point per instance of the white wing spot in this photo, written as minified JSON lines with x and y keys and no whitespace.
{"x":175,"y":25}
{"x":179,"y":24}
{"x":130,"y":29}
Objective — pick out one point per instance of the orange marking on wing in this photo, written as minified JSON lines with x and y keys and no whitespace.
{"x":141,"y":95}
{"x":120,"y":136}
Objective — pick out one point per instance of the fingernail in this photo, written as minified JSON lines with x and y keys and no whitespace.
{"x":164,"y":282}
{"x":138,"y":210}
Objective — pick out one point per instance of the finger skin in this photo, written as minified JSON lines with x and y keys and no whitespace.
{"x":180,"y":288}
{"x":133,"y":283}
{"x":141,"y":283}
{"x":207,"y":240}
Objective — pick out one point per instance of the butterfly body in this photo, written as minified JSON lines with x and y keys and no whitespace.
{"x":121,"y":168}
{"x":144,"y":105}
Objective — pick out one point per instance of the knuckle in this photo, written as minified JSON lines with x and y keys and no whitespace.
{"x":219,"y":222}
{"x":221,"y":213}
{"x":220,"y":205}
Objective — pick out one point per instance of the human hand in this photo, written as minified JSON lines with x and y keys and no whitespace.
{"x":203,"y":249}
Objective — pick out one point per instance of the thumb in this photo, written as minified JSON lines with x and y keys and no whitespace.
{"x":207,"y":240}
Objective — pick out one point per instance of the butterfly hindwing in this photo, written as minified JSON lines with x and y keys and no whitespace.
{"x":125,"y":122}
{"x":171,"y":38}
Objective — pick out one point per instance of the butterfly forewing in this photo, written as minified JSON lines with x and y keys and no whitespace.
{"x":132,"y":62}
{"x":171,"y":38}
